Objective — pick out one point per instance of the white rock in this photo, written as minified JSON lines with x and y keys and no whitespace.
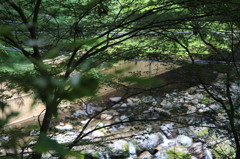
{"x":90,"y":108}
{"x":181,"y":100}
{"x":191,"y":109}
{"x":118,"y":127}
{"x":185,"y":141}
{"x":162,"y":154}
{"x":164,"y":102}
{"x":117,"y":106}
{"x":124,"y":105}
{"x":129,"y":100}
{"x":124,"y":118}
{"x":149,"y":141}
{"x":115,"y":99}
{"x":154,"y":103}
{"x":83,"y":122}
{"x":135,"y":100}
{"x":4,"y":138}
{"x":198,"y":96}
{"x":195,"y":101}
{"x":148,"y":99}
{"x":214,"y":106}
{"x":100,"y":124}
{"x":167,"y":129}
{"x":79,"y":113}
{"x":106,"y":117}
{"x":98,"y":109}
{"x":65,"y":138}
{"x":132,"y":151}
{"x":203,"y":110}
{"x":34,"y":133}
{"x":117,"y":120}
{"x":97,"y":133}
{"x":64,"y":127}
{"x":132,"y":104}
{"x":119,"y":148}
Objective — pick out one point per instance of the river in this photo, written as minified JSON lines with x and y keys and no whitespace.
{"x":27,"y":112}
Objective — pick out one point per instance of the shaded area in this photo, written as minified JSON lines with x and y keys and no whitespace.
{"x":180,"y":78}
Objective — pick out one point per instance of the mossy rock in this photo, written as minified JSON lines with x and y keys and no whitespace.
{"x":178,"y":152}
{"x":223,"y":150}
{"x":119,"y":148}
{"x":203,"y":132}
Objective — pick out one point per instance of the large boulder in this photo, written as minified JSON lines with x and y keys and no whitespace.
{"x":148,"y":142}
{"x":178,"y":152}
{"x":119,"y":148}
{"x":185,"y":141}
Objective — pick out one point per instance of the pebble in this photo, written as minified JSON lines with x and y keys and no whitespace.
{"x":124,"y":118}
{"x":83,"y":122}
{"x":106,"y":117}
{"x":145,"y":155}
{"x":97,"y":133}
{"x":115,"y":99}
{"x":124,"y":105}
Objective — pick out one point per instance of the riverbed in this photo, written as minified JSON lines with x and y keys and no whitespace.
{"x":23,"y":104}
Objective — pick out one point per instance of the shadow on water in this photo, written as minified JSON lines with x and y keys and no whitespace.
{"x":187,"y":76}
{"x":179,"y":78}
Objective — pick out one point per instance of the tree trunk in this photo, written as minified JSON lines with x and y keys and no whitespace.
{"x":44,"y":128}
{"x":238,"y":153}
{"x":237,"y":146}
{"x":235,"y":135}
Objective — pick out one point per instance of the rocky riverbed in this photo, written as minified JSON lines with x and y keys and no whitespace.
{"x":181,"y":124}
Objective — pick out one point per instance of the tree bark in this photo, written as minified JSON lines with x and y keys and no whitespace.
{"x":44,"y":127}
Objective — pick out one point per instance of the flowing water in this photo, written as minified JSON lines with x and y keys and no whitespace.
{"x":167,"y":142}
{"x":208,"y":154}
{"x":132,"y":151}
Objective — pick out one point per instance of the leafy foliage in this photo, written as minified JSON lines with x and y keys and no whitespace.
{"x":89,"y":33}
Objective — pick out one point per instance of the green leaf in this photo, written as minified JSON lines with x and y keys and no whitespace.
{"x":45,"y":144}
{"x":86,"y":86}
{"x":5,"y":120}
{"x":84,"y":42}
{"x":5,"y":30}
{"x":2,"y":106}
{"x":53,"y":53}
